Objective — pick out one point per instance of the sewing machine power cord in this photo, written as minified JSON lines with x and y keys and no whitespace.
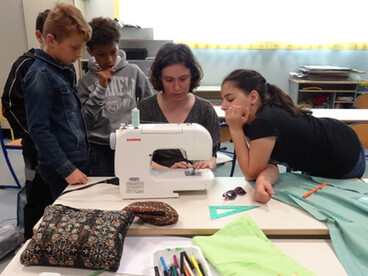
{"x":113,"y":181}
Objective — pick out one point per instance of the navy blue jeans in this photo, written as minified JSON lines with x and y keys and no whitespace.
{"x":37,"y":192}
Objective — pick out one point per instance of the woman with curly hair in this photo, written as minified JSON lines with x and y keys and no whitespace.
{"x":175,"y":73}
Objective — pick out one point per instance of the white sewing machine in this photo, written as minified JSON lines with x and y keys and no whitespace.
{"x":134,"y":148}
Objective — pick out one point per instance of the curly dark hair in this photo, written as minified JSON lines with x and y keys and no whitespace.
{"x":104,"y":31}
{"x":170,"y":54}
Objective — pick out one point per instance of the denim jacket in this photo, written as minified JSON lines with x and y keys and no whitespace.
{"x":54,"y":114}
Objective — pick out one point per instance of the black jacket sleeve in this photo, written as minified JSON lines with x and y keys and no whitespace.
{"x":13,"y":98}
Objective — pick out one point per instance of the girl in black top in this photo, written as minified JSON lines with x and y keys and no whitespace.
{"x":268,"y":128}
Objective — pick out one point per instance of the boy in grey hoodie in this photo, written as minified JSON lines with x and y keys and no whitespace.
{"x":108,"y":91}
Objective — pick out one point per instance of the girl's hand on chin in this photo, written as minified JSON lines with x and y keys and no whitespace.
{"x":236,"y":116}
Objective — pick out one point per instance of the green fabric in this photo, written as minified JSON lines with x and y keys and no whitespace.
{"x":342,"y":205}
{"x":241,"y":248}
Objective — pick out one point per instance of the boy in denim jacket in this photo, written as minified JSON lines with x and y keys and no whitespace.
{"x":52,"y":105}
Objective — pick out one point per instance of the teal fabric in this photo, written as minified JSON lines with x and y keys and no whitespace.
{"x":342,"y":204}
{"x":240,"y":248}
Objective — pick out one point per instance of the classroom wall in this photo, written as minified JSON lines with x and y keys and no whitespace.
{"x":13,"y":40}
{"x":31,"y":9}
{"x":18,"y":20}
{"x":96,"y":8}
{"x":275,"y":65}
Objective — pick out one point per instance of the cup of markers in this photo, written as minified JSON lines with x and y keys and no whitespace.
{"x":178,"y":261}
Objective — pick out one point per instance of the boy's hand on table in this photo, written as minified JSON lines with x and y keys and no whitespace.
{"x":76,"y":177}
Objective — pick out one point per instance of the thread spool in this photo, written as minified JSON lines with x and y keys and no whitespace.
{"x":135,"y":117}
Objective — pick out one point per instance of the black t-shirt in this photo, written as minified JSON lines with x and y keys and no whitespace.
{"x":320,"y":146}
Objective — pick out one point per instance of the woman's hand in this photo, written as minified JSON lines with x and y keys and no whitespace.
{"x":182,"y":165}
{"x":203,"y":165}
{"x":197,"y":165}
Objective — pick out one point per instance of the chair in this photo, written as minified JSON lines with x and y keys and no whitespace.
{"x":2,"y":118}
{"x":14,"y":144}
{"x":223,"y":154}
{"x":361,"y":129}
{"x":361,"y":101}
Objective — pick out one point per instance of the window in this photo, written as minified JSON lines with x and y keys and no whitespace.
{"x":245,"y":24}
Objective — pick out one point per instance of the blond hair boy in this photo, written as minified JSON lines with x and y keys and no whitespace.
{"x":52,"y":105}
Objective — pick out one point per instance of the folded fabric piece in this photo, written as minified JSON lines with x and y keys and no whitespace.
{"x":81,"y":238}
{"x":342,"y":205}
{"x":154,"y":212}
{"x":241,"y":248}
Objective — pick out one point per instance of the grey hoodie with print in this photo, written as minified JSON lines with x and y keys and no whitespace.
{"x":105,"y":109}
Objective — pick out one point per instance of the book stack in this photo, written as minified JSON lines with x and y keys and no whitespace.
{"x":326,"y":72}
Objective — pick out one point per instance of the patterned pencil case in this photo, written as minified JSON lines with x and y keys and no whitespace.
{"x":80,"y":238}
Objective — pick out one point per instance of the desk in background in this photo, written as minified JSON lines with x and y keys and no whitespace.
{"x":220,"y":113}
{"x":208,"y":92}
{"x":345,"y":115}
{"x":348,"y":115}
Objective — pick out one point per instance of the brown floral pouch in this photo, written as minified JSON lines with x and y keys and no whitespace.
{"x":154,"y":212}
{"x":81,"y":238}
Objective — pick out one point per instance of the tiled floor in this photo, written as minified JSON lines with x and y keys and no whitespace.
{"x":8,"y":197}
